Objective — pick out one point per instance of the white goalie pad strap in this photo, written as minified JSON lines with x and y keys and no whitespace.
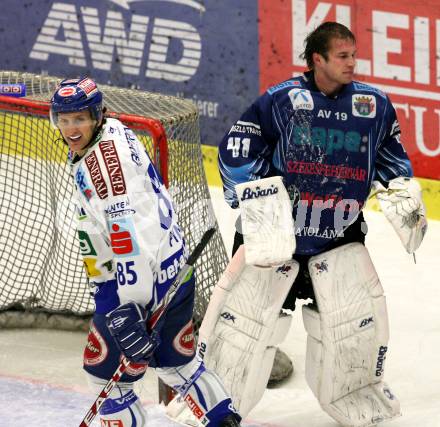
{"x":348,"y":338}
{"x":267,"y":223}
{"x":402,"y":205}
{"x":242,"y":325}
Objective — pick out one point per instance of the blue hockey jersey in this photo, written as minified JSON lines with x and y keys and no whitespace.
{"x":328,"y":151}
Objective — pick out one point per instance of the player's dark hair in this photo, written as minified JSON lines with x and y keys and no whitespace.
{"x":318,"y":41}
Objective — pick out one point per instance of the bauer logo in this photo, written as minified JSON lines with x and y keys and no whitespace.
{"x":17,"y":90}
{"x":248,"y":193}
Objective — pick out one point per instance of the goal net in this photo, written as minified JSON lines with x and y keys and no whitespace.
{"x":41,"y":267}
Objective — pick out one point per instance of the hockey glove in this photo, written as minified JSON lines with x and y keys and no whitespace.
{"x":127,"y":324}
{"x":403,"y":206}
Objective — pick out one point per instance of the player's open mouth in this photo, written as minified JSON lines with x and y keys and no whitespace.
{"x":75,"y":138}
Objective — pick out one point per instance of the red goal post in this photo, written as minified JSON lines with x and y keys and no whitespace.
{"x":41,"y":269}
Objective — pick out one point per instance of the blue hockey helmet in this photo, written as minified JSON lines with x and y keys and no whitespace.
{"x":74,"y":95}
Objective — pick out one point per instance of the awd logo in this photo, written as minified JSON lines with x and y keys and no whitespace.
{"x":70,"y":30}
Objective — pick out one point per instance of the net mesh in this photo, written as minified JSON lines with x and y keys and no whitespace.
{"x":39,"y":254}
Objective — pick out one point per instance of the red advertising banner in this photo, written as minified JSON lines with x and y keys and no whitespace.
{"x":398,"y":52}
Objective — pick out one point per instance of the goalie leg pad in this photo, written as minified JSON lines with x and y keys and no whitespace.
{"x":243,"y":324}
{"x":348,"y":338}
{"x":122,"y":408}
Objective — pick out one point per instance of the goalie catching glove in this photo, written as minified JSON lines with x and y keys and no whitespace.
{"x":403,"y":206}
{"x":127,"y":324}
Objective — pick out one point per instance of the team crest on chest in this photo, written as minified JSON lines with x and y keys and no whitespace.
{"x":301,"y":99}
{"x":364,"y":106}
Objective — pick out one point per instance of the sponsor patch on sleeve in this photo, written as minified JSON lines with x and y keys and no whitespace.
{"x":284,"y":85}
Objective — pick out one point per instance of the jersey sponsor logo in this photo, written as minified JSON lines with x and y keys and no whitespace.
{"x":330,"y":201}
{"x":96,"y":350}
{"x":336,"y":171}
{"x":119,"y":209}
{"x":92,"y":164}
{"x":248,"y":193}
{"x":123,"y":238}
{"x":184,"y":342}
{"x":81,"y":213}
{"x":113,"y":165}
{"x":283,"y":85}
{"x":85,"y":244}
{"x":195,"y":409}
{"x":82,"y":184}
{"x":90,"y":266}
{"x":364,"y":106}
{"x":309,"y":231}
{"x":301,"y":99}
{"x":170,"y":268}
{"x":381,"y":360}
{"x":246,"y":127}
{"x":329,"y":140}
{"x":132,"y":145}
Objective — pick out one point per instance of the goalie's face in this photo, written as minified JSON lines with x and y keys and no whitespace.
{"x":77,"y":129}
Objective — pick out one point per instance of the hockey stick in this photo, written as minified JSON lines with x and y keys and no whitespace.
{"x":181,"y":278}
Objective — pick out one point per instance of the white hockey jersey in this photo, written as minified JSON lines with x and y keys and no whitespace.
{"x":127,"y":225}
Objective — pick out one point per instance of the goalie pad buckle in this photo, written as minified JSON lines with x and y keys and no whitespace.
{"x":348,"y":338}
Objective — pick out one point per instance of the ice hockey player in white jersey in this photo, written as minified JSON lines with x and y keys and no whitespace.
{"x":132,"y":248}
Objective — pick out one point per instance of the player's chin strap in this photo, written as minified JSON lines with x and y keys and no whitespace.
{"x":348,"y":338}
{"x":402,"y":205}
